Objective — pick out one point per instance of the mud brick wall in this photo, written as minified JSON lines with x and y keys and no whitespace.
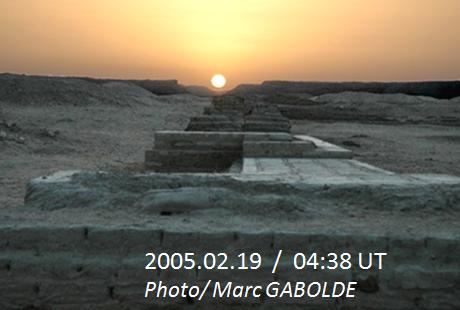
{"x":65,"y":267}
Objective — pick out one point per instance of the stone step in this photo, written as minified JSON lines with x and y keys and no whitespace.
{"x":277,"y":149}
{"x":213,"y":111}
{"x":266,"y":126}
{"x":264,"y":108}
{"x":266,"y":118}
{"x":267,"y":136}
{"x":214,"y":117}
{"x":166,"y":160}
{"x":171,"y":139}
{"x":200,"y":146}
{"x":217,"y":122}
{"x":230,"y":101}
{"x":214,"y":126}
{"x":293,"y":151}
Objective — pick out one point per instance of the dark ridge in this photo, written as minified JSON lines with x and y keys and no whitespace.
{"x":13,"y":86}
{"x":200,"y":91}
{"x":435,"y":89}
{"x":160,"y":87}
{"x":157,"y":87}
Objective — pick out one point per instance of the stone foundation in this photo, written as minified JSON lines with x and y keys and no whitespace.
{"x":62,"y":267}
{"x":208,"y":151}
{"x":81,"y":238}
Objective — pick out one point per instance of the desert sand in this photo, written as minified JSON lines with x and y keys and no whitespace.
{"x":53,"y":124}
{"x":47,"y":125}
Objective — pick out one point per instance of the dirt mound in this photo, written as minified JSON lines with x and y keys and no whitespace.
{"x":435,"y":89}
{"x":200,"y":91}
{"x":160,"y":87}
{"x":42,"y":90}
{"x":369,"y":108}
{"x":372,"y":98}
{"x":246,"y":89}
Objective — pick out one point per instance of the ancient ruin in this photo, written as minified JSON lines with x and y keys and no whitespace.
{"x":255,"y":188}
{"x":232,"y":130}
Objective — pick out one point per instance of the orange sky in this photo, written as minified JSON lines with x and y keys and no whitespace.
{"x":246,"y":40}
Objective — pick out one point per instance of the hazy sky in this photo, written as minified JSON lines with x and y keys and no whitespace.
{"x":246,"y":40}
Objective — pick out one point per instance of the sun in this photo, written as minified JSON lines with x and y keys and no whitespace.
{"x":218,"y":81}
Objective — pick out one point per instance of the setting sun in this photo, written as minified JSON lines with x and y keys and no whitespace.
{"x":218,"y":81}
{"x":251,"y":41}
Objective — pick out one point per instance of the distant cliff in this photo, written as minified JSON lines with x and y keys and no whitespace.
{"x":157,"y":87}
{"x":23,"y":89}
{"x":435,"y":89}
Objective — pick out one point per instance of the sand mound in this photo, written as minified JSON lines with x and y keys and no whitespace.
{"x":372,"y":98}
{"x":435,"y":89}
{"x":371,"y":107}
{"x":42,"y":90}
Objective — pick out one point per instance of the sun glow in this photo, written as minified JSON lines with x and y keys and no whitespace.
{"x":218,"y":81}
{"x":251,"y":41}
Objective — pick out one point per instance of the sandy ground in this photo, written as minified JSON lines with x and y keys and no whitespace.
{"x":398,"y":148}
{"x":48,"y":138}
{"x":42,"y":139}
{"x":110,"y":125}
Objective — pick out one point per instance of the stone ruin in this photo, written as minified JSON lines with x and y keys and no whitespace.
{"x":280,"y":191}
{"x":232,"y":128}
{"x":230,"y":113}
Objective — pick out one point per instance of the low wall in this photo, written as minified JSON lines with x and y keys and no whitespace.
{"x":65,"y":267}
